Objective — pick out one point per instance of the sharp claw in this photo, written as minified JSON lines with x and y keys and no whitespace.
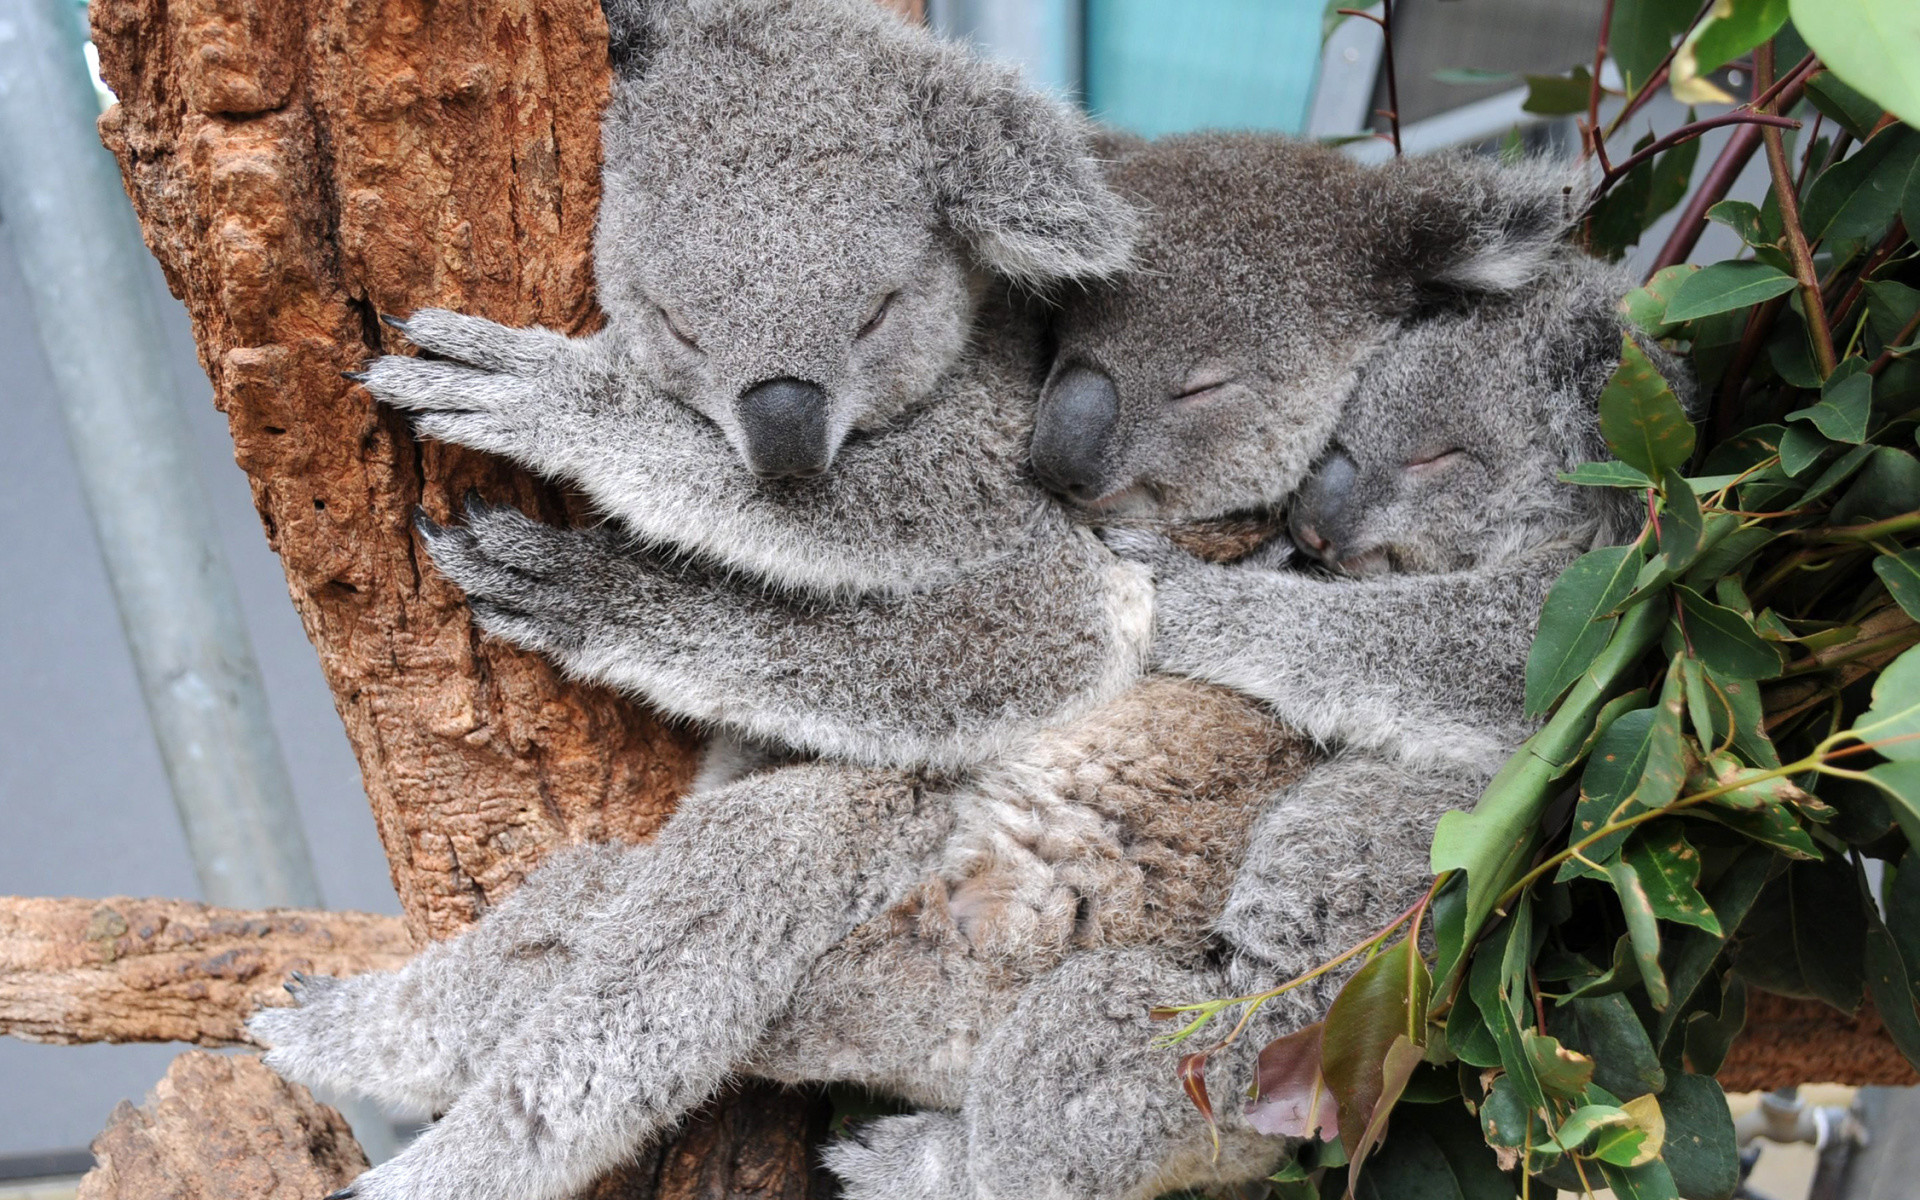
{"x":293,"y":989}
{"x":425,"y":525}
{"x":355,"y":376}
{"x":473,"y":505}
{"x":345,"y":1193}
{"x":392,"y":321}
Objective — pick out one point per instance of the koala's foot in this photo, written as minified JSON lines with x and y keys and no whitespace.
{"x":919,"y":1156}
{"x":528,"y":583}
{"x":350,"y":1035}
{"x":487,"y":386}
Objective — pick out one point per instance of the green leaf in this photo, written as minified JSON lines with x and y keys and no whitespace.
{"x":1386,"y":999}
{"x":1497,"y":983}
{"x":1672,"y":173}
{"x":1894,"y":717}
{"x":1807,"y":935}
{"x":1724,"y":640}
{"x":1642,"y":33}
{"x":1709,"y":1032}
{"x":1900,"y":783}
{"x":1731,"y":29}
{"x":1772,"y":826}
{"x":1855,"y":113}
{"x":1727,"y":553}
{"x":1609,"y":1031}
{"x":1651,"y":1181}
{"x":1681,"y":521}
{"x":1436,"y":1153}
{"x":1505,"y":1119}
{"x":1606,"y":474}
{"x":1574,"y":625}
{"x":1582,"y":1123}
{"x":1646,"y":306}
{"x":1800,"y":448}
{"x":1901,"y":573}
{"x":1696,"y":959}
{"x":1620,"y":975}
{"x":1616,"y":220}
{"x":1741,"y":217}
{"x":1726,"y":286}
{"x":1902,"y":897}
{"x":1836,"y":474}
{"x":1872,"y":44}
{"x":1641,"y":418}
{"x":1558,"y":95}
{"x":1701,"y":1150}
{"x":1637,"y":765}
{"x":1859,"y":196}
{"x":1843,"y":410}
{"x":1563,"y":1073}
{"x":1889,"y":485}
{"x":1890,"y":305}
{"x":1642,"y":928}
{"x":1669,"y":867}
{"x":1890,"y":979}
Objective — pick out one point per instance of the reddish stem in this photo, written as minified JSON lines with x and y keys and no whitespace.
{"x":1687,"y":133}
{"x":1789,"y":200}
{"x":1648,"y":89}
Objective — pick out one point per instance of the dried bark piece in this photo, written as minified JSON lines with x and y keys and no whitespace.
{"x":222,"y":1127}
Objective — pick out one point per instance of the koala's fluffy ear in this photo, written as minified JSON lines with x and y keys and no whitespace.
{"x":1471,"y":225}
{"x":1017,"y":176}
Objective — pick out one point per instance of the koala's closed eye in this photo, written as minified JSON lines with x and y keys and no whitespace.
{"x":1201,"y":385}
{"x":681,"y":335}
{"x":879,"y":314}
{"x":1430,"y":462}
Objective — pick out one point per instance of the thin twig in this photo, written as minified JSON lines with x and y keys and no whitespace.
{"x":1648,"y":90}
{"x":1797,"y":251}
{"x":1687,"y":133}
{"x":1595,"y":141}
{"x":1906,"y":334}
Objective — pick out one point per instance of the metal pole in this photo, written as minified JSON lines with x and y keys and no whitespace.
{"x":86,"y":273}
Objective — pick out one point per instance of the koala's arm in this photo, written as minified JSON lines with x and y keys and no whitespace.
{"x":903,"y":506}
{"x":689,"y":954}
{"x":939,"y":677}
{"x":1428,"y":667}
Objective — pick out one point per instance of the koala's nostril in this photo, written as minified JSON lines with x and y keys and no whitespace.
{"x":1073,"y":432}
{"x":784,"y":424}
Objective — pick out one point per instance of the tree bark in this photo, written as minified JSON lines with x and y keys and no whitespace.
{"x":299,"y":168}
{"x":122,"y":970}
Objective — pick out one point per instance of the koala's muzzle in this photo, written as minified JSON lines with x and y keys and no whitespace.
{"x":1316,"y":518}
{"x":784,"y":425}
{"x":1079,"y":412}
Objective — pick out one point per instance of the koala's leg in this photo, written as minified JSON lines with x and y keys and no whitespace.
{"x":416,"y":1038}
{"x":1332,"y":860}
{"x":901,"y":506}
{"x":943,"y":676}
{"x":1070,"y":1098}
{"x":1428,"y":667}
{"x":683,"y":964}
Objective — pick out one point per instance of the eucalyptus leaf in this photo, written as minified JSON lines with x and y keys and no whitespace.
{"x":1901,"y":573}
{"x":1574,"y":623}
{"x":1893,"y":720}
{"x":1724,"y":640}
{"x":1870,"y":44}
{"x":1701,"y":1150}
{"x":1859,"y":196}
{"x":1725,"y":286}
{"x":1607,"y":474}
{"x":1669,"y":868}
{"x":1642,"y":928}
{"x":1640,"y":417}
{"x":1801,"y":447}
{"x":1853,"y":112}
{"x":1558,"y":95}
{"x":1807,"y":934}
{"x":1609,"y":1031}
{"x":1843,"y":410}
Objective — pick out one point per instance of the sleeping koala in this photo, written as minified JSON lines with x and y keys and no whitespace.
{"x":570,"y":1026}
{"x":1006,"y":948}
{"x":768,"y":614}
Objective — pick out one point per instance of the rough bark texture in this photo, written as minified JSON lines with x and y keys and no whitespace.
{"x":221,"y":1128}
{"x":123,"y":970}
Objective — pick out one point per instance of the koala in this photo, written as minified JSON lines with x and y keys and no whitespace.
{"x":974,"y":910}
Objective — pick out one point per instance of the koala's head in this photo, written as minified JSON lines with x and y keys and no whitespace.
{"x":1206,"y":380}
{"x":802,"y":199}
{"x":1448,"y":453}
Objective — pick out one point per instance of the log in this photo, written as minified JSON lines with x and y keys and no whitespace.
{"x":125,"y":970}
{"x":221,"y":1127}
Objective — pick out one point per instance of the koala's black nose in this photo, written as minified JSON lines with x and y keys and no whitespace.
{"x":784,"y":423}
{"x":1078,"y":414}
{"x":1315,"y":518}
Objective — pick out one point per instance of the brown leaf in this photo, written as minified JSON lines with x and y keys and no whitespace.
{"x":1386,"y":999}
{"x":1395,"y":1069}
{"x":1290,"y":1095}
{"x":1193,"y":1077}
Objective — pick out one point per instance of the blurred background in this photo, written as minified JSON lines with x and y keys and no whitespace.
{"x":88,"y":805}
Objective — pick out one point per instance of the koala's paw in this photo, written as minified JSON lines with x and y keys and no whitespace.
{"x":919,"y":1156}
{"x":338,"y":1034}
{"x":485,"y":386}
{"x":528,"y":583}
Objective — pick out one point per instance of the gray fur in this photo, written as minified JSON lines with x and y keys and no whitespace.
{"x":931,"y":934}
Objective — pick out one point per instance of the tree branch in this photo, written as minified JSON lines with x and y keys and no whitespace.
{"x":1811,"y":299}
{"x":124,"y":970}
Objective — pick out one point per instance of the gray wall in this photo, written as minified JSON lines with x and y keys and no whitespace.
{"x":84,"y":806}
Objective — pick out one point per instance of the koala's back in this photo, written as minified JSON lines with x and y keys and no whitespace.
{"x":1124,"y":828}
